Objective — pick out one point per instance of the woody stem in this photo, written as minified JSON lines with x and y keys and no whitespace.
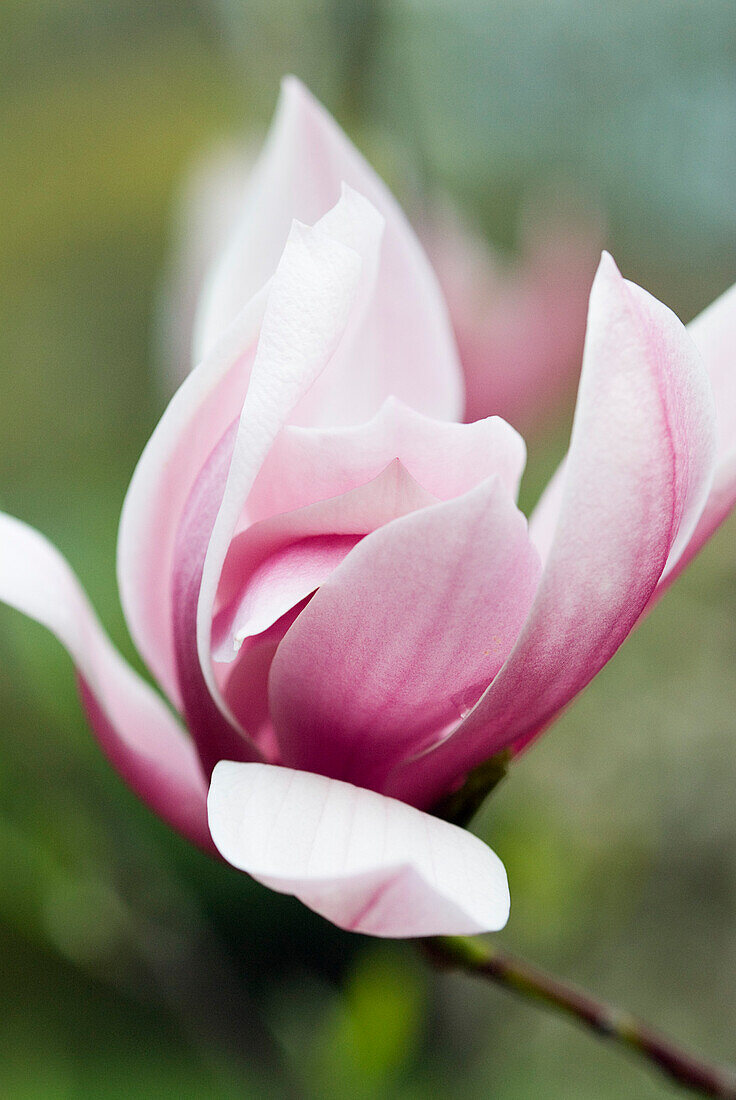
{"x":605,"y":1021}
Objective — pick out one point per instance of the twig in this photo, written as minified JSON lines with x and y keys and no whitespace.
{"x":610,"y":1023}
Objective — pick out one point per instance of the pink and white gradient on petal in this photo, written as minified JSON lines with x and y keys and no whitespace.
{"x":137,"y":731}
{"x":518,"y":324}
{"x":328,"y":573}
{"x":637,"y":477}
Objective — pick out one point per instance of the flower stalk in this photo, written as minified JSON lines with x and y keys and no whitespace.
{"x":607,"y":1022}
{"x":461,"y":806}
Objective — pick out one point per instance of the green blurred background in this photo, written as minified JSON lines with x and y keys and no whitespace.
{"x":131,"y":965}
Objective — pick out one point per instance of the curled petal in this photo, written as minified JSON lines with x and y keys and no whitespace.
{"x":714,"y":335}
{"x":365,"y":862}
{"x":194,"y":423}
{"x":320,"y":490}
{"x":309,"y":309}
{"x":282,"y":581}
{"x":214,"y":734}
{"x":273,"y":564}
{"x":635,"y":479}
{"x":137,"y":732}
{"x":403,"y":637}
{"x":310,"y":464}
{"x":407,"y":347}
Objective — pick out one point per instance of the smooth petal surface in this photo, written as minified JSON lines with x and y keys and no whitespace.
{"x":343,"y":520}
{"x":367,"y":863}
{"x":714,"y":334}
{"x":139,"y":735}
{"x":309,"y":311}
{"x":285,"y":578}
{"x":639,"y":468}
{"x":403,"y":637}
{"x":407,"y":347}
{"x":306,"y":465}
{"x":214,"y":734}
{"x":195,"y":421}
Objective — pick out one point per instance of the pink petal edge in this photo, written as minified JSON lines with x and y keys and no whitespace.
{"x":194,"y":422}
{"x":407,"y":347}
{"x":638,"y":472}
{"x":403,"y":636}
{"x":309,"y":310}
{"x":714,"y":335}
{"x":138,"y":734}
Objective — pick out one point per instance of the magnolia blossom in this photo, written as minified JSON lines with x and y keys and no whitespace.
{"x":519,"y":325}
{"x":327,"y":572}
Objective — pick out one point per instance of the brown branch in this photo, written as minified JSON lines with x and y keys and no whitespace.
{"x":609,"y":1023}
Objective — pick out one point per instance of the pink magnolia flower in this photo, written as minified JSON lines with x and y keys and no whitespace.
{"x":519,"y":326}
{"x":327,"y":573}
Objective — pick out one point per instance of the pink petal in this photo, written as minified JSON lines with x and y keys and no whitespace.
{"x":245,"y":686}
{"x":195,"y":421}
{"x":192,"y":426}
{"x":216,"y":737}
{"x":519,"y":327}
{"x":333,"y":525}
{"x":137,"y":732}
{"x":310,"y":464}
{"x":637,"y":473}
{"x":407,"y":348}
{"x":367,"y":863}
{"x":281,"y":582}
{"x":714,"y":335}
{"x":309,"y":311}
{"x":403,"y":637}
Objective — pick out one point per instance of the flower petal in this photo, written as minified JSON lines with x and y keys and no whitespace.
{"x":638,"y":471}
{"x":367,"y":863}
{"x":255,"y":555}
{"x":714,"y":335}
{"x":310,"y":464}
{"x":137,"y":732}
{"x":519,"y":327}
{"x":403,"y":637}
{"x":306,"y":467}
{"x":195,"y":421}
{"x":284,"y":579}
{"x":191,"y":428}
{"x":309,"y":310}
{"x":214,"y":734}
{"x":407,"y":348}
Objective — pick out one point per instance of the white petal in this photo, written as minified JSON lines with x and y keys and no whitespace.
{"x":407,"y":347}
{"x":365,"y":862}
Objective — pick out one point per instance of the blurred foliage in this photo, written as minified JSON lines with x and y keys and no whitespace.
{"x":132,"y":965}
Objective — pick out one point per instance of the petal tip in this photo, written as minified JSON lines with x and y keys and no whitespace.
{"x":293,"y":87}
{"x":296,"y":100}
{"x":356,"y":201}
{"x":608,"y":268}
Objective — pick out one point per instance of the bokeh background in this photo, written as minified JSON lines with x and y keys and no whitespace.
{"x":131,"y":965}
